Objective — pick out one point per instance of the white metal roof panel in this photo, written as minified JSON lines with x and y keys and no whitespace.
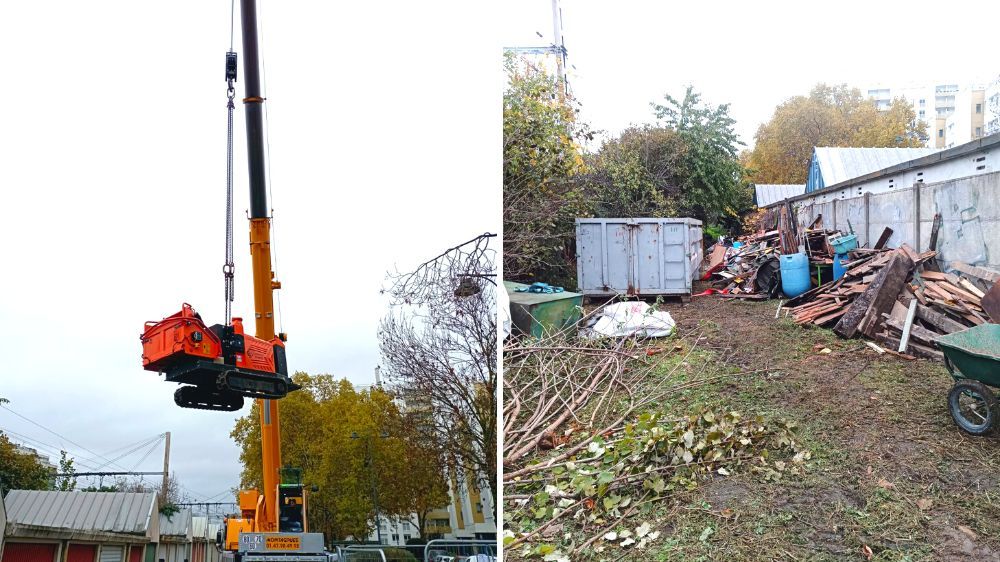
{"x":770,"y":193}
{"x":199,"y":527}
{"x":112,"y":512}
{"x":178,"y":524}
{"x":839,"y":164}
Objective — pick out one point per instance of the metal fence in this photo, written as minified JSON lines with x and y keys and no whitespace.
{"x":438,"y":550}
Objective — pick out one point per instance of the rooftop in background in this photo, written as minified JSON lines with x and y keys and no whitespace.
{"x":90,"y":512}
{"x":770,"y":193}
{"x":177,"y":525}
{"x":833,"y":165}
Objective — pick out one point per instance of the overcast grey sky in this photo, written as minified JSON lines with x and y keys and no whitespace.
{"x":753,"y":55}
{"x":112,"y":173}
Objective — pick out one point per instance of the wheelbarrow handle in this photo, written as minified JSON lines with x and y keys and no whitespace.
{"x":951,"y":368}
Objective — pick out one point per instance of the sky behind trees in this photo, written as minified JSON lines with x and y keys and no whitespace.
{"x":752,"y":55}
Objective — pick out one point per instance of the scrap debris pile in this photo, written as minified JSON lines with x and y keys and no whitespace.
{"x":898,"y":297}
{"x":750,"y":268}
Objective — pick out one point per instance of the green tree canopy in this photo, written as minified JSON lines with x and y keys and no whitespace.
{"x":828,"y":116}
{"x":541,"y":158}
{"x":638,"y":174}
{"x":317,"y":423}
{"x":713,"y":186}
{"x":20,"y":471}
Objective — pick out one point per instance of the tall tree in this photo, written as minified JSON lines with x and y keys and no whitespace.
{"x":65,"y":483}
{"x":638,"y":174}
{"x":713,"y":185}
{"x":828,"y":116}
{"x":319,"y":422}
{"x":22,"y":471}
{"x":439,"y":345}
{"x":541,"y":158}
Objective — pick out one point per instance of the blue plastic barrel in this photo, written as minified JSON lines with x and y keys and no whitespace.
{"x":840,"y":262}
{"x":794,"y":274}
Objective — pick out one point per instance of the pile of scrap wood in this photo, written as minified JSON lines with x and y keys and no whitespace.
{"x":900,"y":299}
{"x":751,"y":270}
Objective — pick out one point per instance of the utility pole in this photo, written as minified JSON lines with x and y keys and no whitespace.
{"x":166,"y":467}
{"x":557,"y":48}
{"x":557,"y":41}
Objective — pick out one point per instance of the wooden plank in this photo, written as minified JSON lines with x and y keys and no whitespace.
{"x":941,"y":321}
{"x":898,"y":311}
{"x":934,"y":275}
{"x":931,"y":264}
{"x":910,"y":252}
{"x":879,"y":295}
{"x":991,"y":303}
{"x":892,"y":342}
{"x":907,"y":326}
{"x":968,"y":286}
{"x":824,"y":319}
{"x":981,"y":273}
{"x":916,"y":332}
{"x":883,"y":239}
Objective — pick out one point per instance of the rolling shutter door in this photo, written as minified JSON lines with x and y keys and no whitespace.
{"x":112,"y":553}
{"x":81,"y":553}
{"x":135,"y":553}
{"x":29,"y":552}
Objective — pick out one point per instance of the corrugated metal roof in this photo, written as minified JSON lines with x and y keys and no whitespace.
{"x":770,"y":193}
{"x":838,"y":164}
{"x":111,"y":512}
{"x":178,"y":524}
{"x":199,"y":527}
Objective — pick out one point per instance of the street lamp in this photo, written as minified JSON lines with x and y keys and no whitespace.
{"x":371,"y":472}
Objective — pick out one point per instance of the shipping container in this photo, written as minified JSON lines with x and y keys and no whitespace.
{"x":637,"y":256}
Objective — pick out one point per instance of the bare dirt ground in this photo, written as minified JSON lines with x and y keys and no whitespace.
{"x":892,"y":478}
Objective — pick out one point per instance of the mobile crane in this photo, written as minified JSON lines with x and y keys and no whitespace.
{"x":220,"y":365}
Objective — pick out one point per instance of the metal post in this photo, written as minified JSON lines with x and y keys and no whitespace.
{"x":557,"y":40}
{"x":166,"y":468}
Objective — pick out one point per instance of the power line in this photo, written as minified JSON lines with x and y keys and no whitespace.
{"x":99,"y":456}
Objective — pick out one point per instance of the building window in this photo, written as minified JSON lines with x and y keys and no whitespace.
{"x":979,"y":108}
{"x":940,"y":133}
{"x":923,"y":103}
{"x":407,"y":538}
{"x":979,"y":132}
{"x":395,"y":538}
{"x":923,"y":113}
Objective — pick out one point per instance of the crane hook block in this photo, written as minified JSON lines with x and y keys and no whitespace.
{"x":230,"y":66}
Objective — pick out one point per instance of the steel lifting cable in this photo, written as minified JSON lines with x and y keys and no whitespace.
{"x":229,"y":267}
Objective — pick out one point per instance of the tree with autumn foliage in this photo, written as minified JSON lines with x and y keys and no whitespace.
{"x":319,"y":421}
{"x":828,"y":116}
{"x":542,"y":157}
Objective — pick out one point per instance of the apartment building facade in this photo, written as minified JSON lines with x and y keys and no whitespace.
{"x":954,"y":113}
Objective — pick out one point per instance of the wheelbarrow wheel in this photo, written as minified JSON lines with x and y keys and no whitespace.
{"x":973,"y":407}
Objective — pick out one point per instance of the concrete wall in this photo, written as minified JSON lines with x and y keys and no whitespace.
{"x":969,"y":207}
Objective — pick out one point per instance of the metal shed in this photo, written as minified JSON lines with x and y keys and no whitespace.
{"x":53,"y":526}
{"x":637,"y":256}
{"x":769,"y":193}
{"x":176,"y":536}
{"x":833,"y":164}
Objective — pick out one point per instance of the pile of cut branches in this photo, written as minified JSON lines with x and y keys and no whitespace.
{"x":583,"y":448}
